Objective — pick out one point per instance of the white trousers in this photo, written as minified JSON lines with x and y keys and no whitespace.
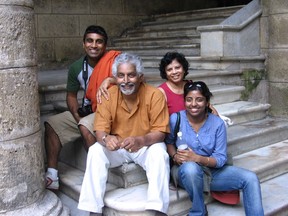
{"x":153,"y":159}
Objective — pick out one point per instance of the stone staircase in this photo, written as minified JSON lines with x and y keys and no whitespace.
{"x":257,"y":141}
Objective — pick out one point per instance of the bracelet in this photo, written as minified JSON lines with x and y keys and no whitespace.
{"x":208,"y":161}
{"x":174,"y":156}
{"x":103,"y":138}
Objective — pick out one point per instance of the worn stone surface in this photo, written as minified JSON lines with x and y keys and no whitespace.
{"x":264,"y":36}
{"x":115,"y":24}
{"x":46,"y":48}
{"x":278,"y":27}
{"x":58,"y":26}
{"x":16,"y":36}
{"x":277,"y":65}
{"x":19,"y":114}
{"x":68,"y":47}
{"x":277,"y":57}
{"x":212,"y":43}
{"x":43,"y":6}
{"x":22,"y":185}
{"x":279,"y":99}
{"x":21,"y":170}
{"x":47,"y":205}
{"x":278,"y":6}
{"x":106,"y":7}
{"x":70,"y":7}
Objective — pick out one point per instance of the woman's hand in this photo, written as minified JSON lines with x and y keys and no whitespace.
{"x":183,"y":156}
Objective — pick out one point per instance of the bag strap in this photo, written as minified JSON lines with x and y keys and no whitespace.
{"x":174,"y":168}
{"x":177,"y":126}
{"x":84,"y":76}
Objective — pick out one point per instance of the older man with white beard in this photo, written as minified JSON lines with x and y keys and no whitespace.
{"x":130,"y":127}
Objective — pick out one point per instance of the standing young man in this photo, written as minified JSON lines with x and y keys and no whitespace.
{"x":63,"y":128}
{"x":130,"y":127}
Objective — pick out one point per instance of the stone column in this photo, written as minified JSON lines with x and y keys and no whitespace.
{"x":277,"y":64}
{"x":22,"y":190}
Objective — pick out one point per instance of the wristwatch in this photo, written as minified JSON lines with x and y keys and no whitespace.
{"x":104,"y":137}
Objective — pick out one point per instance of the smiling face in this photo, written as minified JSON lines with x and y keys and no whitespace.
{"x":195,"y":103}
{"x":175,"y":72}
{"x":94,"y":46}
{"x":128,"y":79}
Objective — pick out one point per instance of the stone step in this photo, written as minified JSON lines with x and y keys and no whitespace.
{"x":225,"y":93}
{"x":252,"y":135}
{"x":267,"y":157}
{"x":210,"y":77}
{"x":187,"y":50}
{"x":162,"y":30}
{"x":243,"y":111}
{"x":179,"y":23}
{"x":213,"y":63}
{"x":154,"y":25}
{"x":267,"y":161}
{"x":200,"y":14}
{"x":71,"y":204}
{"x":157,"y":41}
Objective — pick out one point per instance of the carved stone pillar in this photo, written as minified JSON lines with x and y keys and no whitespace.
{"x":22,"y":190}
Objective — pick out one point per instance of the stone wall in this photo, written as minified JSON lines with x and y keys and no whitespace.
{"x":275,"y":44}
{"x":60,"y":24}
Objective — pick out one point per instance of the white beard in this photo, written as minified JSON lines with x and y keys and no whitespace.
{"x":127,"y":91}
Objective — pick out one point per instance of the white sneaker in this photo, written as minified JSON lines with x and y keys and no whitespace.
{"x":51,"y":183}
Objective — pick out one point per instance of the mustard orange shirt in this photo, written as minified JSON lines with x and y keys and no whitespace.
{"x":149,"y":113}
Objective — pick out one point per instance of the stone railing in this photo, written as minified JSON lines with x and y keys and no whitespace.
{"x":236,"y":36}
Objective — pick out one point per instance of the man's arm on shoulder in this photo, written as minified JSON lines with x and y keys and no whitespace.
{"x":72,"y":103}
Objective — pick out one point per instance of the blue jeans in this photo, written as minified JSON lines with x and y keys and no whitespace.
{"x":226,"y":178}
